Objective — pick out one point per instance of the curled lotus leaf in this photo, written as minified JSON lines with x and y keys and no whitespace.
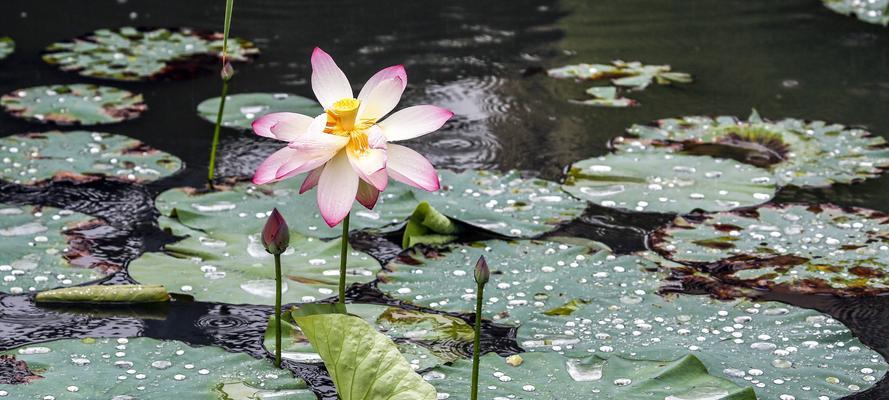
{"x":800,"y":153}
{"x":36,"y":157}
{"x":632,"y":75}
{"x":33,"y":246}
{"x":7,"y":46}
{"x":552,"y":375}
{"x":870,"y":11}
{"x":76,"y":104}
{"x":134,"y":54}
{"x":231,"y":265}
{"x":668,"y":183}
{"x":797,"y":247}
{"x":87,"y":369}
{"x":243,"y":108}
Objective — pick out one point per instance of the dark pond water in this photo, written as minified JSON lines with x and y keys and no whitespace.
{"x":788,"y":58}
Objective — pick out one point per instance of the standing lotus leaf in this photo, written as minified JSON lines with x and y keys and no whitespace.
{"x":870,"y":11}
{"x":35,"y":157}
{"x":7,"y":46}
{"x":800,"y":153}
{"x":242,"y":109}
{"x":77,"y":104}
{"x":90,"y":369}
{"x":230,"y":265}
{"x":668,"y":183}
{"x":632,"y":75}
{"x":134,"y":54}
{"x":777,"y":348}
{"x":804,"y":248}
{"x":33,"y":247}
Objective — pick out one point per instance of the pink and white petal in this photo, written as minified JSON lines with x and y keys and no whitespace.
{"x":328,"y":81}
{"x":282,"y":125}
{"x":298,"y":166}
{"x":408,"y":166}
{"x":414,"y":122}
{"x":381,"y":100}
{"x":319,"y":144}
{"x":367,"y":195}
{"x":337,"y":188}
{"x":268,"y":169}
{"x":369,"y":163}
{"x":376,"y":139}
{"x":385,"y":73}
{"x":311,"y":180}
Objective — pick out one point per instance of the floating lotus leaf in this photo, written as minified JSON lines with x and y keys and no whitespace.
{"x":870,"y":11}
{"x":149,"y":369}
{"x":800,"y":153}
{"x":7,"y":46}
{"x":777,"y":348}
{"x":606,"y":96}
{"x":33,"y":246}
{"x":506,"y":204}
{"x":36,"y":157}
{"x":555,"y":376}
{"x":633,"y":75}
{"x":230,"y":265}
{"x":133,"y":54}
{"x":669,"y":183}
{"x":242,"y":109}
{"x":802,"y":247}
{"x":77,"y":104}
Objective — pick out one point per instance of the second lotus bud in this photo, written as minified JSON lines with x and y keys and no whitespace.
{"x":276,"y":234}
{"x":482,"y":273}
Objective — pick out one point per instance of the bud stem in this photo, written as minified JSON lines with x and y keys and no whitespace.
{"x":476,"y":347}
{"x":211,"y":172}
{"x":278,"y":310}
{"x":344,"y":253}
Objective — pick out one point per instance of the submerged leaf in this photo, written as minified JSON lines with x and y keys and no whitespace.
{"x":125,"y":294}
{"x":428,"y":226}
{"x":7,"y":46}
{"x":633,"y":75}
{"x":364,"y":364}
{"x":76,"y":104}
{"x":567,"y":308}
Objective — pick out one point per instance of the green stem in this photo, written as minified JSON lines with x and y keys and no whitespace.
{"x":211,"y":173}
{"x":476,"y":348}
{"x":344,"y":253}
{"x":278,"y":310}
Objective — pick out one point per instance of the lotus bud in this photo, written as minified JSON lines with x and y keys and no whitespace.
{"x":482,"y":273}
{"x":275,"y":234}
{"x":227,"y":71}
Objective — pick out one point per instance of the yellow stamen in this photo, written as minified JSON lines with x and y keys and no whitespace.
{"x":358,"y":143}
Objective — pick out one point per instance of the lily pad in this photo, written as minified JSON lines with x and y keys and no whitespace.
{"x":606,"y":96}
{"x":32,"y":158}
{"x":7,"y":46}
{"x":632,"y":75}
{"x":230,"y":265}
{"x":806,"y":248}
{"x":870,"y":11}
{"x":503,"y":203}
{"x":800,"y":153}
{"x":76,"y":104}
{"x":555,"y":376}
{"x":148,"y":369}
{"x":33,"y":246}
{"x":133,"y":54}
{"x":777,"y":348}
{"x":668,"y":183}
{"x":241,"y":109}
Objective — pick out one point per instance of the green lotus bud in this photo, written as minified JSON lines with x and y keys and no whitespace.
{"x":275,"y":234}
{"x":482,"y":273}
{"x":227,"y":71}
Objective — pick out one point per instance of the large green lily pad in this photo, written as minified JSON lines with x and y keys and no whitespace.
{"x":632,"y":75}
{"x":241,"y":109}
{"x":669,"y":183}
{"x":800,"y":153}
{"x":149,"y":369}
{"x":33,"y":248}
{"x":35,"y":157}
{"x":133,"y":54}
{"x":230,"y":265}
{"x":76,"y":104}
{"x":504,"y":203}
{"x":777,"y":348}
{"x":7,"y":46}
{"x":552,"y":375}
{"x":870,"y":11}
{"x":806,"y":248}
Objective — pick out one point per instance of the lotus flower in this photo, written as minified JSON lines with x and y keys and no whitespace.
{"x":347,"y":151}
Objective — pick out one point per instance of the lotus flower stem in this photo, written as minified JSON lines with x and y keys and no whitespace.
{"x":278,"y":310}
{"x":226,"y":74}
{"x":344,"y":253}
{"x":482,"y":275}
